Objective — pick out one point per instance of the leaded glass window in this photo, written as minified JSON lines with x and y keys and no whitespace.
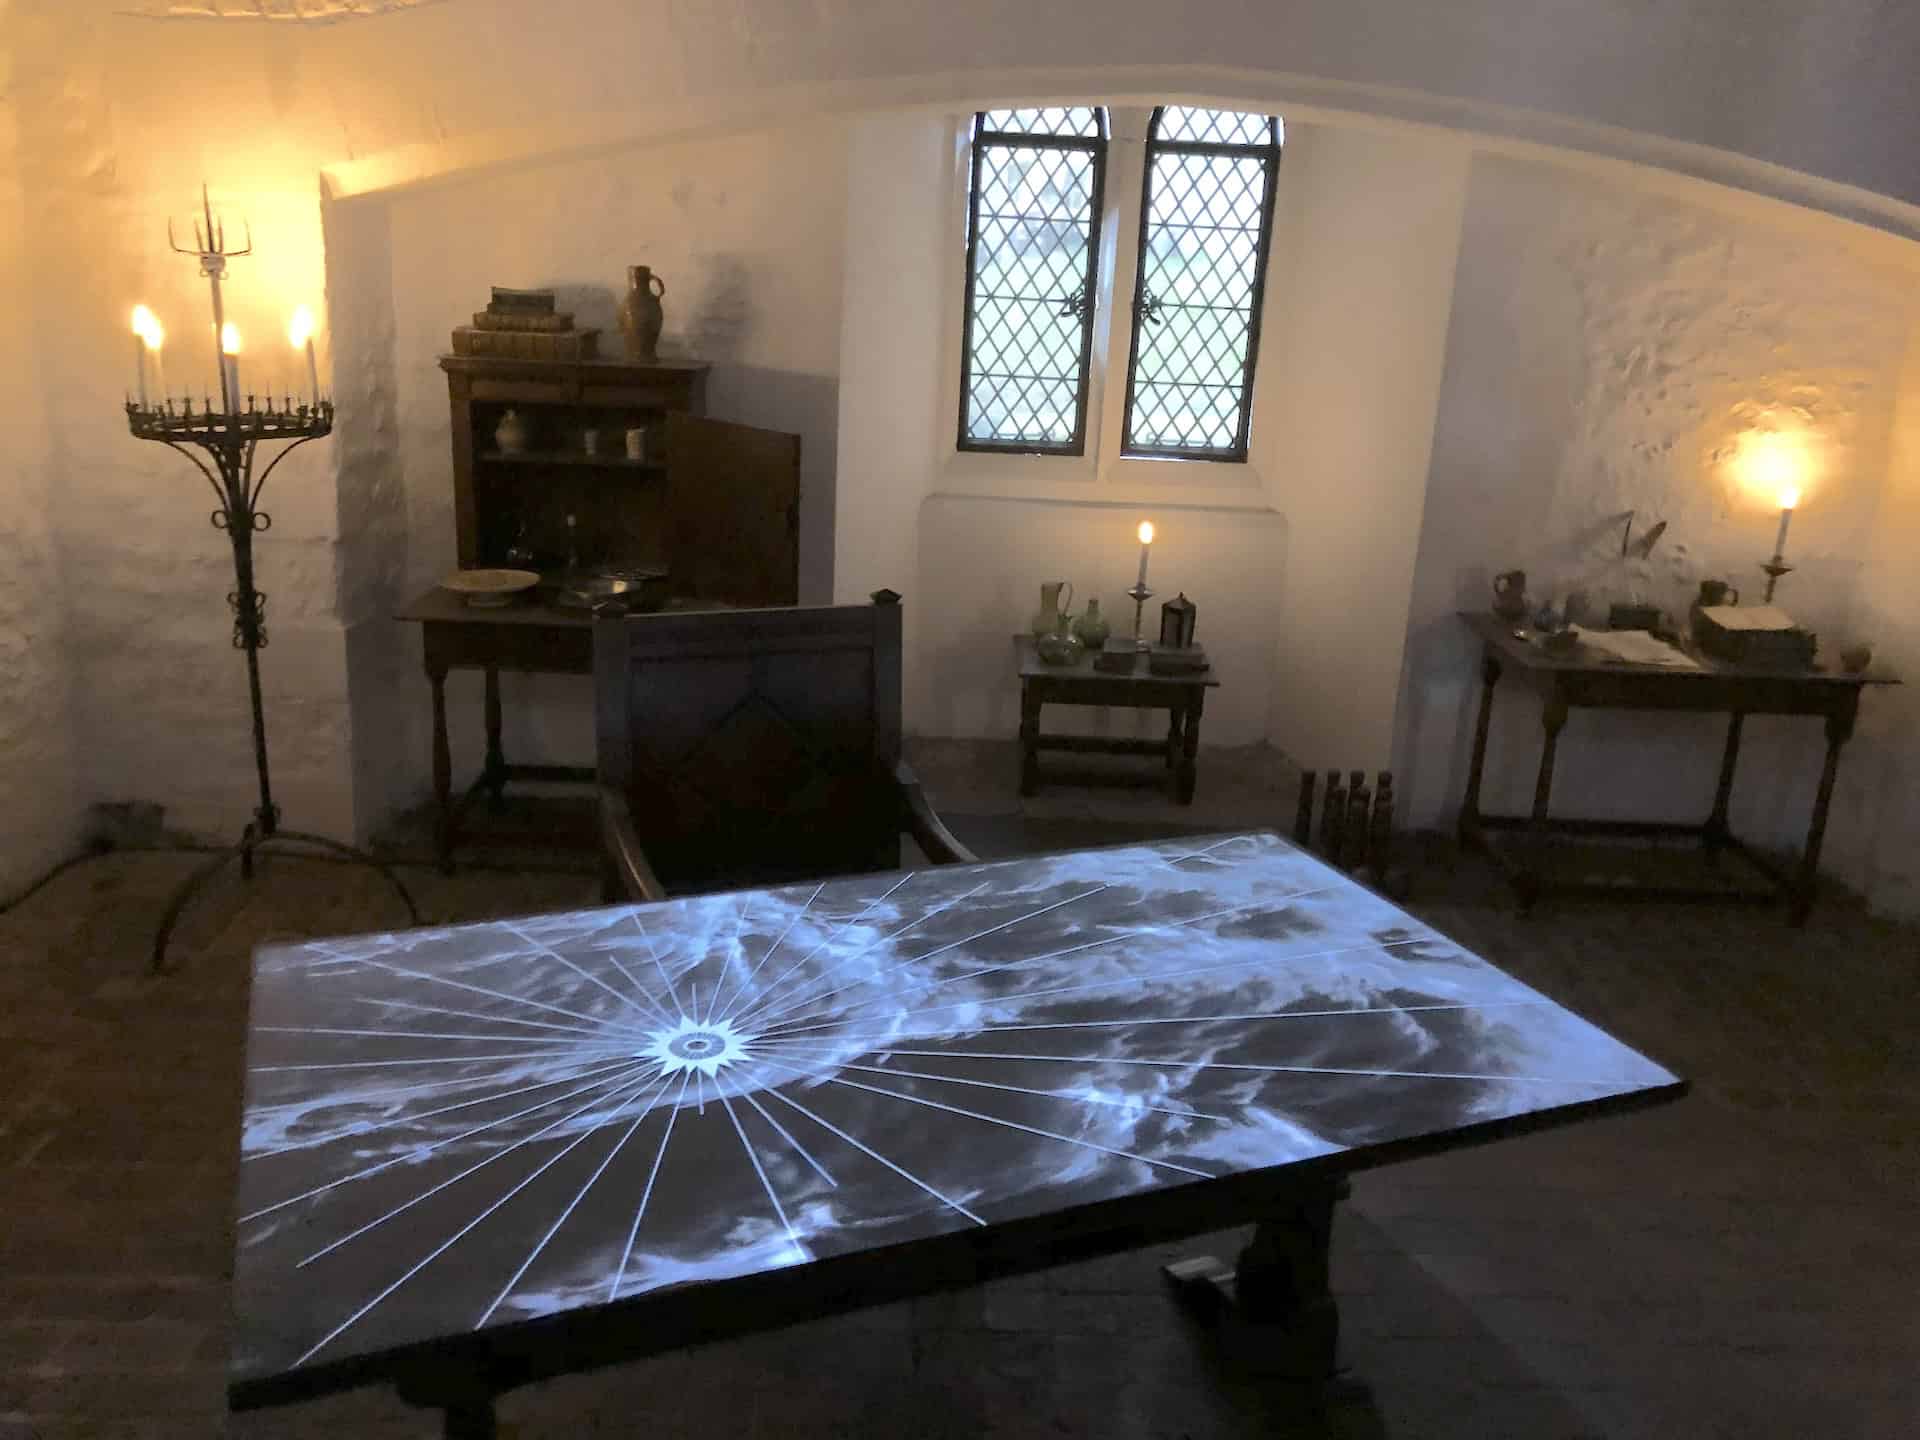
{"x":1206,"y":218}
{"x":1033,"y":229}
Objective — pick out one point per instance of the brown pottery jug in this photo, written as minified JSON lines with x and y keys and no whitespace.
{"x":640,"y":314}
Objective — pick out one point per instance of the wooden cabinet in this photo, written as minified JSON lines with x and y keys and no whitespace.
{"x":714,"y":503}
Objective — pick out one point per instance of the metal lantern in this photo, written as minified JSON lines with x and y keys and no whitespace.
{"x":1176,"y":623}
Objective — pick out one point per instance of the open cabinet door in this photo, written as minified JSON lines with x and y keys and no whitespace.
{"x":733,"y":511}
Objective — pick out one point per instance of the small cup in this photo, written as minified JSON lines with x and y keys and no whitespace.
{"x":590,"y":442}
{"x":637,"y":443}
{"x":1856,"y":657}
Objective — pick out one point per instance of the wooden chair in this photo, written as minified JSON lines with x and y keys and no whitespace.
{"x":748,"y":748}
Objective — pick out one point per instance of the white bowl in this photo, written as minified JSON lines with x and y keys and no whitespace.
{"x":485,"y":588}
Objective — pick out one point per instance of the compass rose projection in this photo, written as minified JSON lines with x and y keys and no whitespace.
{"x":449,"y":1129}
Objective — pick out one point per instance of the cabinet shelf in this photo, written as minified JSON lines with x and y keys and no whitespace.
{"x":570,"y":457}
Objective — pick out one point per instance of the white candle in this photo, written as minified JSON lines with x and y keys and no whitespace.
{"x":140,"y":368}
{"x":1146,"y":540}
{"x":230,"y":359}
{"x":146,"y":332}
{"x":1788,"y":499}
{"x":300,"y":334}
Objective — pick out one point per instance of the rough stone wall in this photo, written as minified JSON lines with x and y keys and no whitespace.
{"x":39,"y":809}
{"x":1607,"y":348}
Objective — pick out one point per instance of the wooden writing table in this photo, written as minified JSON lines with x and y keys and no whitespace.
{"x":528,"y":636}
{"x":1181,"y":696}
{"x":1565,"y":682}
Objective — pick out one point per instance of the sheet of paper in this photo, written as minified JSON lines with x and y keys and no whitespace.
{"x":1635,"y":647}
{"x":1748,"y":617}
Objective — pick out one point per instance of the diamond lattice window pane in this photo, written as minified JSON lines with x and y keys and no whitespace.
{"x":1213,"y":127}
{"x":1031,"y":257}
{"x":1082,"y":120}
{"x":1200,"y":285}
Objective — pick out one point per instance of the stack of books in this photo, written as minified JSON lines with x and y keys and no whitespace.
{"x":1119,"y":656}
{"x":1177,"y":660}
{"x":524,"y":325}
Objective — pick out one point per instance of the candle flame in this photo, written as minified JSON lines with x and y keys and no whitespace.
{"x":300,"y":328}
{"x":147,"y":326}
{"x":1776,"y":465}
{"x":1146,"y":532}
{"x":1789,"y":497}
{"x":229,"y":339}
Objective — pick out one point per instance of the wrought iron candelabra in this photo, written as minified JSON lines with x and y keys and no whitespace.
{"x":230,"y":437}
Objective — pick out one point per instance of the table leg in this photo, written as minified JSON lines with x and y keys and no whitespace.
{"x":1279,"y":1290}
{"x":496,"y":758}
{"x":442,"y":768}
{"x":1717,"y":829}
{"x":1469,"y":827}
{"x":1175,"y":714}
{"x":1839,"y":731}
{"x":1029,"y":742}
{"x":1189,"y":745}
{"x":1553,"y":718}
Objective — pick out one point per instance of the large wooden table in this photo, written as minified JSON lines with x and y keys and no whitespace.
{"x":1567,"y":682}
{"x":476,"y":1157}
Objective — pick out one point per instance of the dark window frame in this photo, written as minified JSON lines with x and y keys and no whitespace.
{"x":1268,"y":152}
{"x":1088,"y":297}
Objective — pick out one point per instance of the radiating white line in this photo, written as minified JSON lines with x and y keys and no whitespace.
{"x":1027,"y":1090}
{"x":1207,"y":852}
{"x":429,"y":1193}
{"x":798,"y":915}
{"x":587,"y":975}
{"x":421,"y":1060}
{"x":929,"y":954}
{"x":786,"y":1135}
{"x":1264,"y":961}
{"x":406,"y":1034}
{"x":727,"y":959}
{"x":654,"y":950}
{"x":843,"y":961}
{"x":602,"y":1029}
{"x":1011,"y":1124}
{"x":765,"y":1183}
{"x":1235,"y":1065}
{"x":443,"y":1247}
{"x":659,"y":1155}
{"x":414,"y":1119}
{"x":1257,"y":907}
{"x":432,"y":979}
{"x":775,"y":983}
{"x":1163,"y":1020}
{"x":415,"y":1152}
{"x":638,"y":989}
{"x":700,"y":1091}
{"x":554,"y":1229}
{"x":826,"y":1124}
{"x":330,"y":1102}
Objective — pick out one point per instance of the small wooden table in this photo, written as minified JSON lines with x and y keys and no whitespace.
{"x":1181,"y":696}
{"x":1565,"y":682}
{"x":528,"y":636}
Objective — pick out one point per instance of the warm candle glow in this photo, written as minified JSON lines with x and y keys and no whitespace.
{"x":229,"y":339}
{"x":1146,"y":532}
{"x":147,"y":326}
{"x":1789,"y":497}
{"x":1776,"y":465}
{"x":300,"y":328}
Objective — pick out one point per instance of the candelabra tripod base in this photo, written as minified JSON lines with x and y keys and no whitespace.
{"x":253,"y":839}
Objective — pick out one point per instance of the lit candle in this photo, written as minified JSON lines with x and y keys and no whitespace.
{"x":230,"y":361}
{"x":300,"y":335}
{"x":1789,"y":498}
{"x":1146,"y":540}
{"x":143,"y":327}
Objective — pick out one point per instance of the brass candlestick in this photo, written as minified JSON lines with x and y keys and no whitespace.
{"x":1775,"y":568}
{"x":1139,"y":594}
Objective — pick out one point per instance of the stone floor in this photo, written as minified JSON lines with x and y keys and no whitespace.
{"x":1741,"y":1264}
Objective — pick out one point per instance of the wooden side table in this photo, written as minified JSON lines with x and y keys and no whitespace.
{"x":1181,"y":696}
{"x":1581,"y":680}
{"x":528,"y":637}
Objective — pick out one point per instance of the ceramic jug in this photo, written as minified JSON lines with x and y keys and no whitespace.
{"x":1051,"y":617}
{"x":640,"y":314}
{"x":1718,"y":592}
{"x":1510,"y":595}
{"x":1090,"y":628}
{"x":511,"y":433}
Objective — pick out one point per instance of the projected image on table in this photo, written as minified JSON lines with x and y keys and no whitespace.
{"x":447,"y":1130}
